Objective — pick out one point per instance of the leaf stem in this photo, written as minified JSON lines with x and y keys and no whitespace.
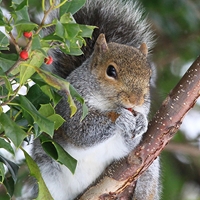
{"x":15,"y":117}
{"x":15,"y":94}
{"x":2,"y":82}
{"x":59,"y":5}
{"x":29,"y":130}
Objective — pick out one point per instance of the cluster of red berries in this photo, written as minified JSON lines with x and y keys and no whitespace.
{"x":24,"y":54}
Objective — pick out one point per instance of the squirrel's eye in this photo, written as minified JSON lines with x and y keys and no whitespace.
{"x":111,"y":71}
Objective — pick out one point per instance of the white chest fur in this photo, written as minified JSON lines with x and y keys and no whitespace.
{"x":91,"y":163}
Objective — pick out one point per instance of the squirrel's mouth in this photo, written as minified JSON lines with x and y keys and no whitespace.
{"x":133,"y":111}
{"x":130,"y":109}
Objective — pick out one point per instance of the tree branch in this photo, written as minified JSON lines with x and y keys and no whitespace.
{"x":161,"y":129}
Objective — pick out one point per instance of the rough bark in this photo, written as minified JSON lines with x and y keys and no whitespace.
{"x":161,"y":129}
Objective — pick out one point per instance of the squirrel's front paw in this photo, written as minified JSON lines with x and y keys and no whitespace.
{"x":126,"y":122}
{"x":131,"y":124}
{"x":141,"y":124}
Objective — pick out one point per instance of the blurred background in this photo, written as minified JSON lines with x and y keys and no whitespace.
{"x":176,"y":24}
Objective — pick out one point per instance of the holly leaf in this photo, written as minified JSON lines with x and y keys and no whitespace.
{"x":75,"y":94}
{"x":7,"y":60}
{"x":9,"y":184}
{"x":24,"y":25}
{"x":26,"y":69}
{"x":48,"y":111}
{"x":21,"y":11}
{"x":7,"y":146}
{"x":36,"y":43}
{"x":47,"y":89}
{"x":57,"y":152}
{"x":67,"y":18}
{"x":72,"y":30}
{"x":53,"y":95}
{"x":23,"y":4}
{"x":59,"y":30}
{"x":4,"y":42}
{"x":12,"y":130}
{"x":43,"y":192}
{"x":45,"y":125}
{"x":86,"y":30}
{"x":36,"y":96}
{"x":2,"y":22}
{"x":2,"y":172}
{"x":59,"y":84}
{"x":12,"y":167}
{"x":71,"y":6}
{"x":7,"y":85}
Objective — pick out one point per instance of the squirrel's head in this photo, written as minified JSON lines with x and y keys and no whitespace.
{"x":122,"y":71}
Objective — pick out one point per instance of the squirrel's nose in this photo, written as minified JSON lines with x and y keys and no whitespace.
{"x":136,"y":100}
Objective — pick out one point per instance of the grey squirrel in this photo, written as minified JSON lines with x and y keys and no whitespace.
{"x":113,"y":76}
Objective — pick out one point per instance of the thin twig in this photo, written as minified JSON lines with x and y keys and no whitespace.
{"x":46,"y":13}
{"x":2,"y":82}
{"x":17,"y":63}
{"x":14,"y":42}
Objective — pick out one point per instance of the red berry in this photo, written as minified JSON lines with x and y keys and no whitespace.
{"x":48,"y":60}
{"x":27,"y":34}
{"x":24,"y":55}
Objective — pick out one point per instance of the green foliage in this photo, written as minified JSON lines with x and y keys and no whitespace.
{"x":34,"y":171}
{"x":4,"y":41}
{"x":12,"y":130}
{"x":53,"y":149}
{"x":10,"y":181}
{"x":33,"y":113}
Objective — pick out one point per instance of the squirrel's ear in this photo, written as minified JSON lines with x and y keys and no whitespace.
{"x":143,"y":48}
{"x":101,"y":44}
